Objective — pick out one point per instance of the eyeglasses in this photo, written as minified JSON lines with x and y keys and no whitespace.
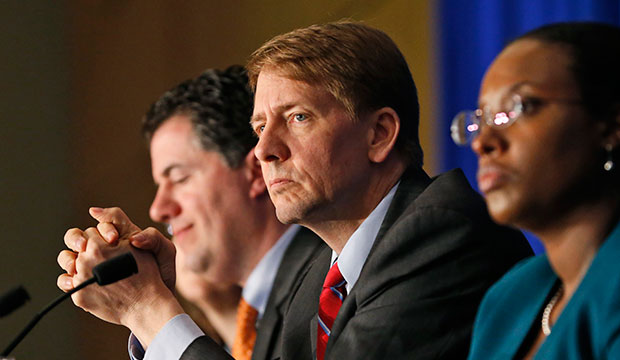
{"x":466,"y":125}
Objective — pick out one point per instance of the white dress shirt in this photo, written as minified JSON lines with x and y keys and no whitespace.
{"x":180,"y":331}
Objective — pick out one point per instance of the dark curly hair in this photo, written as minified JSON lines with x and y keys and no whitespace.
{"x":219,"y":104}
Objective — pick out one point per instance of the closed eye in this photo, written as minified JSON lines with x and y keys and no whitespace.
{"x":180,"y":180}
{"x":531,"y":105}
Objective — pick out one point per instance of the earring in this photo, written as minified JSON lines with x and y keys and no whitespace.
{"x":609,"y":164}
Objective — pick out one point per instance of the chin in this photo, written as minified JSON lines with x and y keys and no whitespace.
{"x":286,"y":217}
{"x":197,"y":263}
{"x":291,"y":213}
{"x":500,"y":208}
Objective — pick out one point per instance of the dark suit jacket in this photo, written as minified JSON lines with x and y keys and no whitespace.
{"x":436,"y":254}
{"x":588,"y":327}
{"x":304,"y":248}
{"x":301,"y":251}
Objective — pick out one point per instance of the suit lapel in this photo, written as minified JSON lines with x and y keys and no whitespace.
{"x":314,"y":327}
{"x":412,"y":183}
{"x":297,"y":334}
{"x":266,"y":334}
{"x":298,"y":255}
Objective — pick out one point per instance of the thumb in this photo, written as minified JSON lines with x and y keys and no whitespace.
{"x":162,"y":248}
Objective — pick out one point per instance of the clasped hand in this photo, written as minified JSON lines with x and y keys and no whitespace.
{"x":130,"y":302}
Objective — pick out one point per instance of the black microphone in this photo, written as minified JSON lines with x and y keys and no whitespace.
{"x":115,"y":269}
{"x":13,"y":300}
{"x":109,"y":271}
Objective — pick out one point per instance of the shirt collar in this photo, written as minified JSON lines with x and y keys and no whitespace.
{"x":355,"y":251}
{"x":260,"y":282}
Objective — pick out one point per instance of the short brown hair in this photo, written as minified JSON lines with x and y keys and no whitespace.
{"x":360,"y":66}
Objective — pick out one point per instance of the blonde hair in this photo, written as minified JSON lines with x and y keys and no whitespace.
{"x":359,"y":65}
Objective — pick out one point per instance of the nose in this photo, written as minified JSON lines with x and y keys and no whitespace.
{"x":490,"y":141}
{"x":164,"y":207}
{"x":272,"y":144}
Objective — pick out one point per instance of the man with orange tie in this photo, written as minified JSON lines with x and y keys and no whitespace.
{"x":212,"y":194}
{"x":409,"y":258}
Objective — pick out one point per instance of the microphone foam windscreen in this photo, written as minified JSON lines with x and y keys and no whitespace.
{"x":12,"y":300}
{"x":115,"y":269}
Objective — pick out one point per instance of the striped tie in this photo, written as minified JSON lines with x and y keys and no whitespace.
{"x":332,"y":296}
{"x":246,"y":331}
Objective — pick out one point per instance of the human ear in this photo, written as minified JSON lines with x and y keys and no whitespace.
{"x":254,"y":175}
{"x":382,"y":134}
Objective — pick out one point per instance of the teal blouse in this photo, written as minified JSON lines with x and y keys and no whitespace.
{"x":588,"y":327}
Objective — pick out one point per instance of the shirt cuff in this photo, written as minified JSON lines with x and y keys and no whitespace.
{"x":169,"y":343}
{"x":135,"y":349}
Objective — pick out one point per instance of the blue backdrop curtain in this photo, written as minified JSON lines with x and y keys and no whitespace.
{"x":472,"y":33}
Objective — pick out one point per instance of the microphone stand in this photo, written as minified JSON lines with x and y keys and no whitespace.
{"x":107,"y":272}
{"x":42,"y":313}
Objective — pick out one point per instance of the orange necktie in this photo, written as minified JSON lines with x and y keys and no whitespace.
{"x":246,"y":331}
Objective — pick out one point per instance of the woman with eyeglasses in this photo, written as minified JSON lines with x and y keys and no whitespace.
{"x":547,"y":136}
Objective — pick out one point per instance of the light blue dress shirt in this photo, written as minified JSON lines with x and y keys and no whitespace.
{"x":178,"y":333}
{"x":260,"y":282}
{"x":355,"y":252}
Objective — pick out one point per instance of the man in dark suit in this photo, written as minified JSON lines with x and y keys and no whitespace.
{"x":413,"y":255}
{"x":212,"y":194}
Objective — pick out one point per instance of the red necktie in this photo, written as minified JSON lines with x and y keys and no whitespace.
{"x":246,"y":331}
{"x":332,"y":296}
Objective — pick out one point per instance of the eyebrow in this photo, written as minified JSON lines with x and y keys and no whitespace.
{"x":280,"y":108}
{"x":511,"y":90}
{"x":256,"y":118}
{"x":519,"y":85}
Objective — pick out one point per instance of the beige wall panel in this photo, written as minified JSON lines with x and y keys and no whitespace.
{"x":102,"y":63}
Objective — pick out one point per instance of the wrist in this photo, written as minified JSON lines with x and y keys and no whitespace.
{"x":149,"y":316}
